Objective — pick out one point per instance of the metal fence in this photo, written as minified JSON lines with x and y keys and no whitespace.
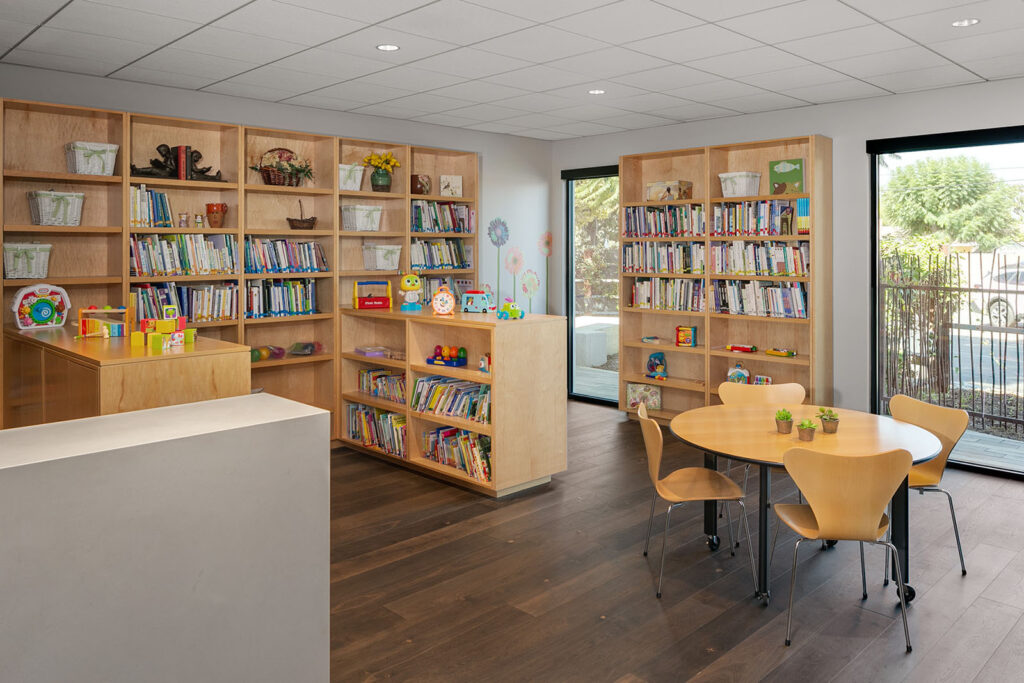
{"x":950,"y":334}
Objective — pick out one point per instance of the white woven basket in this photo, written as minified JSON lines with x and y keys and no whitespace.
{"x":381,"y":256}
{"x":26,"y":260}
{"x":361,"y":217}
{"x":91,"y":158}
{"x":350,"y":176}
{"x":55,"y":208}
{"x":740,"y":184}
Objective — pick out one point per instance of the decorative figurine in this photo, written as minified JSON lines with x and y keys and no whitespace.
{"x":183,"y":220}
{"x":738,"y":375}
{"x":410,"y":287}
{"x":199,"y":221}
{"x":656,"y":366}
{"x":510,"y":310}
{"x":443,"y":302}
{"x":167,"y":165}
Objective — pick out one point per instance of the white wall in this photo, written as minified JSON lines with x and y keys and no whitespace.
{"x":514,"y":170}
{"x":849,"y":124}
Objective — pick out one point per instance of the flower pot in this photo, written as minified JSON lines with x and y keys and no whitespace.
{"x":215,"y":215}
{"x":784,"y":426}
{"x":806,"y":434}
{"x":380,"y":180}
{"x":830,"y":426}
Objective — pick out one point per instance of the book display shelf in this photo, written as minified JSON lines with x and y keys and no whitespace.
{"x":274,"y":285}
{"x":751,"y":270}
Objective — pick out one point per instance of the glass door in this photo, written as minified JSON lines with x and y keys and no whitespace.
{"x":593,"y":282}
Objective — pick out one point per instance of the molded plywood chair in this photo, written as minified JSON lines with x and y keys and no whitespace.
{"x":846,"y":500}
{"x":685,"y":485}
{"x":948,"y":425}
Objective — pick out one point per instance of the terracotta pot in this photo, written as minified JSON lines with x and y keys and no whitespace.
{"x":784,"y":426}
{"x":830,"y":426}
{"x":806,"y":434}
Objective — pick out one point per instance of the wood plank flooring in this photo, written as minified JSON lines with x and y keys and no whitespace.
{"x":433,"y":583}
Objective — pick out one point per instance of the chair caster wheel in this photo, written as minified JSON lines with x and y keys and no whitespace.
{"x":645,"y":553}
{"x":963,"y":572}
{"x":830,"y":544}
{"x":911,"y":594}
{"x":884,"y":583}
{"x":658,"y":595}
{"x":909,"y":649}
{"x":864,"y":596}
{"x":713,"y":543}
{"x":787,"y":642}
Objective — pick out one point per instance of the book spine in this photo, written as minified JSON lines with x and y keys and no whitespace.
{"x":181,"y":162}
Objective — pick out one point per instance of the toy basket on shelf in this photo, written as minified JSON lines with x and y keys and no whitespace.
{"x":91,"y":158}
{"x":381,"y":256}
{"x":302,"y":223}
{"x":55,"y":208}
{"x":740,"y":184}
{"x":360,"y":217}
{"x":350,"y":176}
{"x":26,"y":260}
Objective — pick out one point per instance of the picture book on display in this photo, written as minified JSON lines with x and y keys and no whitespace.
{"x":467,"y":451}
{"x":452,"y":398}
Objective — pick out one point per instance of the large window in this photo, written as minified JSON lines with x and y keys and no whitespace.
{"x":592,"y":211}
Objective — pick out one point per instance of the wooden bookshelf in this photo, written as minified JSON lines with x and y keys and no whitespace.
{"x":528,"y":404}
{"x":694,"y":373}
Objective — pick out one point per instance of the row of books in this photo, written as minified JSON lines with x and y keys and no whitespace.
{"x":149,"y":208}
{"x":765,"y":217}
{"x":456,"y":285}
{"x":181,"y":254}
{"x":442,"y":217}
{"x":439,"y":254}
{"x":284,"y":256}
{"x":275,"y":298}
{"x":669,"y":221}
{"x":198,"y":303}
{"x":467,"y":451}
{"x":773,"y":300}
{"x":662,"y":257}
{"x":452,"y":398}
{"x":668,"y":294}
{"x":380,"y":428}
{"x":383,"y":383}
{"x":765,"y":258}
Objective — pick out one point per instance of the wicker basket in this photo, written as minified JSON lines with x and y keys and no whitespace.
{"x":275,"y":176}
{"x":55,"y":208}
{"x":381,"y":256}
{"x":360,"y":217}
{"x":350,"y":176}
{"x":91,"y":158}
{"x":26,"y":260}
{"x":302,"y":223}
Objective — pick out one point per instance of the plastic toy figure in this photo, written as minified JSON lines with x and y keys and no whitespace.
{"x":510,"y":310}
{"x":410,"y":289}
{"x":656,"y":367}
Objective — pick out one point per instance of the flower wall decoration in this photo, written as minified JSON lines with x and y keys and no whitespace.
{"x":514,"y":264}
{"x":544,"y":244}
{"x":530,"y":284}
{"x":497,"y":232}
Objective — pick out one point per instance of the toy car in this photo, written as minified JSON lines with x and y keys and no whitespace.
{"x":510,"y":310}
{"x":476,"y":301}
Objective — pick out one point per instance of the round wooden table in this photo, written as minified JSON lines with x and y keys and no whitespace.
{"x":747,"y":433}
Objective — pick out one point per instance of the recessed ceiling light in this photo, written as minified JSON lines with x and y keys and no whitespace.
{"x":595,"y":91}
{"x":961,"y":23}
{"x":387,"y":47}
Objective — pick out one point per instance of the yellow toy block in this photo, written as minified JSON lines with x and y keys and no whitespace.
{"x":138,"y":339}
{"x":190,"y":335}
{"x":156,"y":341}
{"x":166,"y":326}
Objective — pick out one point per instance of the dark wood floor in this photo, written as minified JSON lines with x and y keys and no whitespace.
{"x":433,"y":583}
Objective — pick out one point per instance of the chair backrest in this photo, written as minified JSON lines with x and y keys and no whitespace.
{"x":947,"y":424}
{"x":732,"y":393}
{"x":847,"y":493}
{"x":652,"y":442}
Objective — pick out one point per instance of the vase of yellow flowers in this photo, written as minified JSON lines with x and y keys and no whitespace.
{"x":383,"y":165}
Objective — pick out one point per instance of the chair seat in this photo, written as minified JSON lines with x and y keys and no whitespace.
{"x":801,"y":519}
{"x":698,"y":483}
{"x":920,"y":476}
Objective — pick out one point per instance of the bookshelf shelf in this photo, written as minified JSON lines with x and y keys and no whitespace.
{"x":369,"y":194}
{"x":363,"y":234}
{"x":214,"y":323}
{"x":455,"y":373}
{"x":56,"y":176}
{"x":292,"y":360}
{"x":62,"y":230}
{"x":449,"y":235}
{"x":374,"y":401}
{"x":373,"y":360}
{"x":174,"y":183}
{"x":708,"y":362}
{"x":179,"y":231}
{"x":286,"y":232}
{"x":65,"y":281}
{"x":283,"y":189}
{"x":287,"y":276}
{"x":439,"y":198}
{"x":181,"y":278}
{"x":458,"y":422}
{"x":288,"y":319}
{"x":370,"y":273}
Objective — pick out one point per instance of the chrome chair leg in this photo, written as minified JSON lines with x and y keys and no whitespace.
{"x":792,"y":589}
{"x":888,"y":537}
{"x":750,"y":546}
{"x":903,"y":591}
{"x":650,"y":522}
{"x":732,"y":541}
{"x":956,"y":529}
{"x":863,"y":574}
{"x":664,"y":542}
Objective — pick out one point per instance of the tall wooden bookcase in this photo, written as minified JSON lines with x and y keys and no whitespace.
{"x":694,"y":373}
{"x":91,"y":261}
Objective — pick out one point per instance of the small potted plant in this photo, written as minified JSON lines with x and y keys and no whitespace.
{"x":784,"y":421}
{"x":806,"y":429}
{"x":829,"y":420}
{"x":383,"y":164}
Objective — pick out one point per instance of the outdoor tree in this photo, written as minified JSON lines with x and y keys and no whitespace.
{"x":957,"y":199}
{"x":595,"y":243}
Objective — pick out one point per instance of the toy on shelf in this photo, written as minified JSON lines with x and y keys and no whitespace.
{"x":305,"y":348}
{"x":476,"y":301}
{"x":686,"y":336}
{"x":105,"y":322}
{"x":485,"y":363}
{"x":380,"y":352}
{"x":167,"y":331}
{"x":453,"y":357}
{"x":738,"y":375}
{"x":782,"y":353}
{"x":443,"y":302}
{"x":410,"y":288}
{"x":39,"y":306}
{"x":510,"y":310}
{"x":762,"y":379}
{"x":741,"y":348}
{"x":367,"y":300}
{"x":651,"y":339}
{"x":657,"y":367}
{"x":266,"y":352}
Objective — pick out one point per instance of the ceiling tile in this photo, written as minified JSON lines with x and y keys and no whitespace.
{"x":693,"y":111}
{"x":1006,"y":66}
{"x":173,"y":79}
{"x":469,"y":62}
{"x":117,"y":22}
{"x":29,"y":11}
{"x":455,"y":21}
{"x":537,"y":78}
{"x":199,"y":11}
{"x":485,"y":112}
{"x":221,"y":42}
{"x":712,"y":92}
{"x":812,"y":74}
{"x":194,"y":64}
{"x":410,"y":78}
{"x":428,"y":103}
{"x":934,"y":27}
{"x":255,"y":92}
{"x":588,"y":112}
{"x":984,"y":46}
{"x":746,"y":62}
{"x":666,"y":78}
{"x":389,"y":110}
{"x":612,"y":91}
{"x":848,"y":43}
{"x":905,"y":59}
{"x":49,"y":60}
{"x":361,"y":91}
{"x":925,"y":79}
{"x":694,"y":43}
{"x":321,"y":102}
{"x":478,"y":91}
{"x":608,"y":63}
{"x":542,"y":10}
{"x":366,"y":12}
{"x":644,"y":102}
{"x":884,"y":10}
{"x":495,"y":127}
{"x":767,"y":101}
{"x":272,"y":19}
{"x":342,"y":67}
{"x":716,"y":11}
{"x":799,"y":20}
{"x":833,"y":92}
{"x":364,"y":44}
{"x":534,"y":120}
{"x":626,"y":21}
{"x":447,"y":119}
{"x":11,"y":32}
{"x":540,"y":44}
{"x":71,"y":44}
{"x":634,"y":121}
{"x":585,"y":128}
{"x":539,"y":134}
{"x":536,"y":102}
{"x":285,"y":79}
